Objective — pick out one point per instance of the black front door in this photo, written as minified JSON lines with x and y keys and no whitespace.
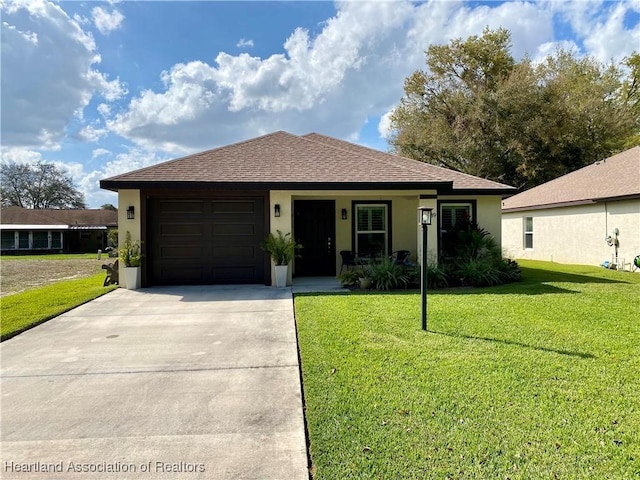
{"x":315,"y":229}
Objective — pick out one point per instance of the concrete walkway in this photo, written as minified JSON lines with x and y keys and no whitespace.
{"x":179,"y":383}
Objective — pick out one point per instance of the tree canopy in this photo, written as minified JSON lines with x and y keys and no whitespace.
{"x":477,"y":110}
{"x":38,"y":186}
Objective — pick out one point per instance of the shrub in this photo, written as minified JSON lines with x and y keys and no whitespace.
{"x":386,"y":275}
{"x":350,"y":277}
{"x":281,"y":247}
{"x":475,"y":258}
{"x":130,"y":252}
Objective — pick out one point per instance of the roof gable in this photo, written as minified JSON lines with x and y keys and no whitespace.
{"x":284,"y":160}
{"x":615,"y":177}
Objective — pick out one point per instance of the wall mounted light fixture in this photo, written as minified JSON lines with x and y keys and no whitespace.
{"x":130,"y":212}
{"x":276,"y":210}
{"x":344,"y":213}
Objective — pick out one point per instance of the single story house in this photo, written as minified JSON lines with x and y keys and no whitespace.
{"x":202,"y":218}
{"x":27,"y":230}
{"x":589,"y":216}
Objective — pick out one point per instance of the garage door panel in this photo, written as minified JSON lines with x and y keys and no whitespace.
{"x":181,"y":206}
{"x":182,"y":252}
{"x":215,"y":240}
{"x":238,"y":229}
{"x":234,"y":207}
{"x":182,"y":229}
{"x":238,"y":254}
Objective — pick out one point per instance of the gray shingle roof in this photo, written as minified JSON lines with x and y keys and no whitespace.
{"x":306,"y":161}
{"x":84,"y":218}
{"x":615,"y":177}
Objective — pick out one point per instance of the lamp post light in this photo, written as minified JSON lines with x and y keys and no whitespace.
{"x":425,"y":220}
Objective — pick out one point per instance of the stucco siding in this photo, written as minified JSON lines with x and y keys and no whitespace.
{"x":575,"y":234}
{"x":404,"y":215}
{"x":126,"y":199}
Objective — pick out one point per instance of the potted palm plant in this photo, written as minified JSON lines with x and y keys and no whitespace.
{"x":131,"y":257}
{"x":282,"y":249}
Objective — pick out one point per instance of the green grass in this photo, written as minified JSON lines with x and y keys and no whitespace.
{"x":24,"y":310}
{"x":55,"y":256}
{"x":538,"y":379}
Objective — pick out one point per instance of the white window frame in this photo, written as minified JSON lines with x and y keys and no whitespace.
{"x":445,"y":204}
{"x":527,"y":233}
{"x":357,"y":232}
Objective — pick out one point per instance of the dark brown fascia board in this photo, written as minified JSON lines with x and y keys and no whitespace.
{"x":481,"y":191}
{"x":115,"y":185}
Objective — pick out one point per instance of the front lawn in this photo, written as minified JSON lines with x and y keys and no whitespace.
{"x":538,"y":379}
{"x":21,"y":311}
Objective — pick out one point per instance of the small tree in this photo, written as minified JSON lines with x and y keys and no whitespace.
{"x":38,"y":186}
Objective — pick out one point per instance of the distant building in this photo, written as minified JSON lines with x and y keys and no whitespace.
{"x":26,"y":230}
{"x":584,"y":217}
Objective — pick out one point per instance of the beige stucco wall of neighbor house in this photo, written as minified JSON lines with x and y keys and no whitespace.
{"x":575,"y":234}
{"x":127,"y":198}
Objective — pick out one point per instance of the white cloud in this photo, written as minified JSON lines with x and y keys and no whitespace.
{"x":89,"y":182}
{"x":106,"y":22}
{"x":384,"y":126}
{"x":90,"y":133}
{"x":99,"y":152}
{"x":243,"y":43}
{"x":328,"y":83}
{"x":48,"y":74}
{"x":20,"y":155}
{"x":600,"y":27}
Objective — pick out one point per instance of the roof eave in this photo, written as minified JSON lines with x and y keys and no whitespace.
{"x":115,"y":185}
{"x":574,"y":203}
{"x":443,"y":187}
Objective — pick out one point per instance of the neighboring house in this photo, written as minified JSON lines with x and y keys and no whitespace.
{"x":27,"y":230}
{"x":570,"y":219}
{"x":202,"y":218}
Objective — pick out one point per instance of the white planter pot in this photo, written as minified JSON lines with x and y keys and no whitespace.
{"x":132,"y":278}
{"x":281,"y":275}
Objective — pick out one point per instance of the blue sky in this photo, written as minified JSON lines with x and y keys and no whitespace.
{"x":100,"y":88}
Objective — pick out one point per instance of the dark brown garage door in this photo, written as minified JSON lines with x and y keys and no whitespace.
{"x":205,"y":241}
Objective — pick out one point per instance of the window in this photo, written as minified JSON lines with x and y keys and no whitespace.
{"x":8,"y":240}
{"x":56,"y":239}
{"x":528,"y":232}
{"x":453,"y":213}
{"x":40,"y":239}
{"x":23,"y":239}
{"x":372,"y":229}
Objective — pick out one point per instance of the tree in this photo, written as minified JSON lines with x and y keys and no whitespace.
{"x":38,"y":186}
{"x":476,"y":110}
{"x":109,"y":206}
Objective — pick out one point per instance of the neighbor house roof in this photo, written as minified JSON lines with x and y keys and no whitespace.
{"x":18,"y":217}
{"x":617,"y":177}
{"x":285,"y":161}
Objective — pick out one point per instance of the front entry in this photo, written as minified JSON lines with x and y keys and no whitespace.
{"x":315,"y":229}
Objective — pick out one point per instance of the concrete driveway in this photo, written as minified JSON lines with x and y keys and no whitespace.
{"x":177,"y":382}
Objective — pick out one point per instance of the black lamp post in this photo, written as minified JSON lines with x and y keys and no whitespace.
{"x":425,"y":221}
